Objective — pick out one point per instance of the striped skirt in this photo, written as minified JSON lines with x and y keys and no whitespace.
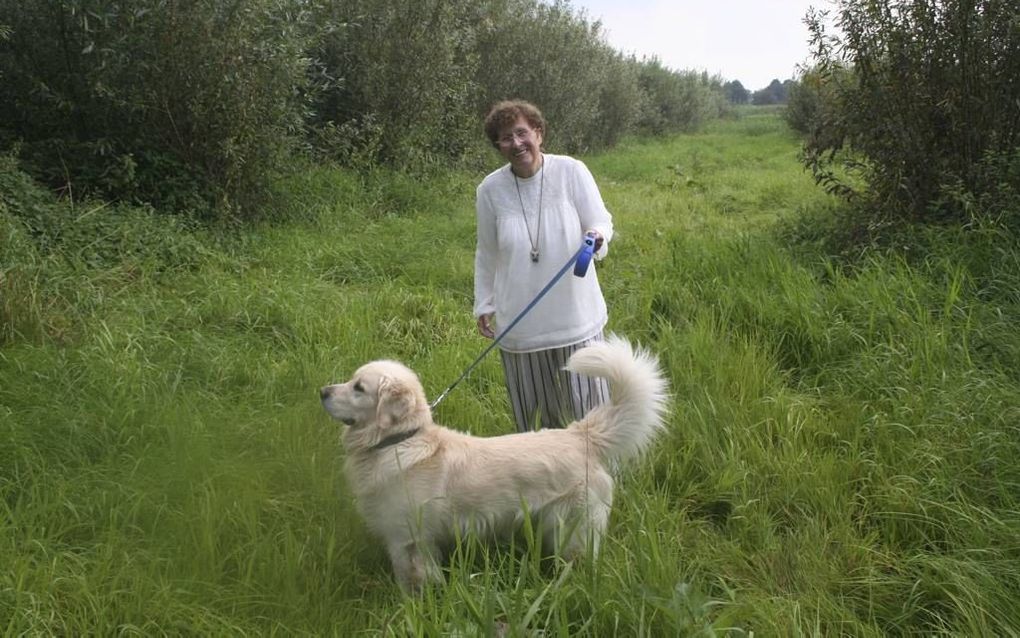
{"x":543,"y":394}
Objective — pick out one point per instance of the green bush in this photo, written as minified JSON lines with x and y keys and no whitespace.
{"x":621,"y":101}
{"x":56,"y":251}
{"x":197,"y":106}
{"x":405,"y":94}
{"x":184,"y":105}
{"x":405,"y":91}
{"x":24,"y":302}
{"x":90,"y":233}
{"x":807,"y":98}
{"x":923,"y":92}
{"x":18,"y":318}
{"x":677,"y":101}
{"x":18,"y":262}
{"x":554,"y":57}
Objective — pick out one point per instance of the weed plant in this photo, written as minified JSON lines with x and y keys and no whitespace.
{"x":840,"y":457}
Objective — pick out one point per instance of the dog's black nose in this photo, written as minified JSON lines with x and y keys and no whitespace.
{"x":324,"y":392}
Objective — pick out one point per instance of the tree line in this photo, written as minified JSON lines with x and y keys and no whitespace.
{"x":775,"y":93}
{"x":193,"y":105}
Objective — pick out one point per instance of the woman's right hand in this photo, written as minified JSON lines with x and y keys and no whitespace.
{"x":485,"y":326}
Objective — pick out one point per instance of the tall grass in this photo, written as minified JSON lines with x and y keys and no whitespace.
{"x":840,"y":456}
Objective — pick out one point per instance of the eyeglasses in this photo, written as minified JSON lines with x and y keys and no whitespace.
{"x":523,"y":134}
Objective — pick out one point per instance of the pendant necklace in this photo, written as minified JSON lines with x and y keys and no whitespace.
{"x":538,"y":227}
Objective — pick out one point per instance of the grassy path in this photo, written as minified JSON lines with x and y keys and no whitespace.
{"x":841,"y":457}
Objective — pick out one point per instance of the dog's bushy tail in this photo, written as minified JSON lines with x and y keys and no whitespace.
{"x":623,"y":428}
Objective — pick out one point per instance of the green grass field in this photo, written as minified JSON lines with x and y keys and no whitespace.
{"x":841,"y":459}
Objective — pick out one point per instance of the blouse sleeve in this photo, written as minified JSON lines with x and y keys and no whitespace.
{"x":485,"y":255}
{"x":590,"y":207}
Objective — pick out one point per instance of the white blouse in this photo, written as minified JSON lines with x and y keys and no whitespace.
{"x":560,"y":202}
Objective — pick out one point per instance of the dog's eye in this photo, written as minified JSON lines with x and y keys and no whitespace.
{"x":358,"y":387}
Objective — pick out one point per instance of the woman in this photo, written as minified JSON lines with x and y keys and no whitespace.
{"x":532,"y":216}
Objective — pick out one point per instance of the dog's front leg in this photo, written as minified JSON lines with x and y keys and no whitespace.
{"x":414,"y":565}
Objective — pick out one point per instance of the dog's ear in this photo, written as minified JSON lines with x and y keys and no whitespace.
{"x":396,"y":401}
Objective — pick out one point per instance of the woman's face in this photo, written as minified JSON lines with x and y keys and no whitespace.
{"x":521,"y":146}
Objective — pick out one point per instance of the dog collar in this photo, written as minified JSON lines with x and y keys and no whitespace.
{"x":393,"y":439}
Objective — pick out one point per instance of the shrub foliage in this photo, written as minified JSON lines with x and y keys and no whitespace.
{"x":404,"y":89}
{"x":194,"y":106}
{"x":924,"y":94}
{"x":186,"y":105}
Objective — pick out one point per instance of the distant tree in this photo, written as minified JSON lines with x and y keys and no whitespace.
{"x":775,"y":93}
{"x":736,"y":93}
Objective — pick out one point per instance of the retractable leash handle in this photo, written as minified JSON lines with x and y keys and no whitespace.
{"x":580,"y":260}
{"x":584,"y":255}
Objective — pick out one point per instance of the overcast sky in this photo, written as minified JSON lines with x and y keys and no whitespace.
{"x":754,"y":41}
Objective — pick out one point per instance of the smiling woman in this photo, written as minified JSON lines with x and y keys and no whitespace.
{"x":532,"y":215}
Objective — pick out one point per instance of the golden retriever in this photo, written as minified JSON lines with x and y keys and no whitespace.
{"x":420,"y":485}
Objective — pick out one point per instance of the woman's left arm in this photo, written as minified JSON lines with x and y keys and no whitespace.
{"x":591,"y":210}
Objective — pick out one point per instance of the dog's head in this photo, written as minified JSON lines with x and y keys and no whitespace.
{"x":381,"y":394}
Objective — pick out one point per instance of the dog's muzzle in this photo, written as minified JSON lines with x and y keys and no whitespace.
{"x":324,"y":395}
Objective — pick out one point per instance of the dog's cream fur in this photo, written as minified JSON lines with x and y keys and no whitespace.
{"x":419,"y":484}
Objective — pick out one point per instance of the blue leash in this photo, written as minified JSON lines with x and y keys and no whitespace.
{"x":580,"y":261}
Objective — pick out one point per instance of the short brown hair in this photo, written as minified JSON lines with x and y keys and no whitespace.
{"x":505,"y":113}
